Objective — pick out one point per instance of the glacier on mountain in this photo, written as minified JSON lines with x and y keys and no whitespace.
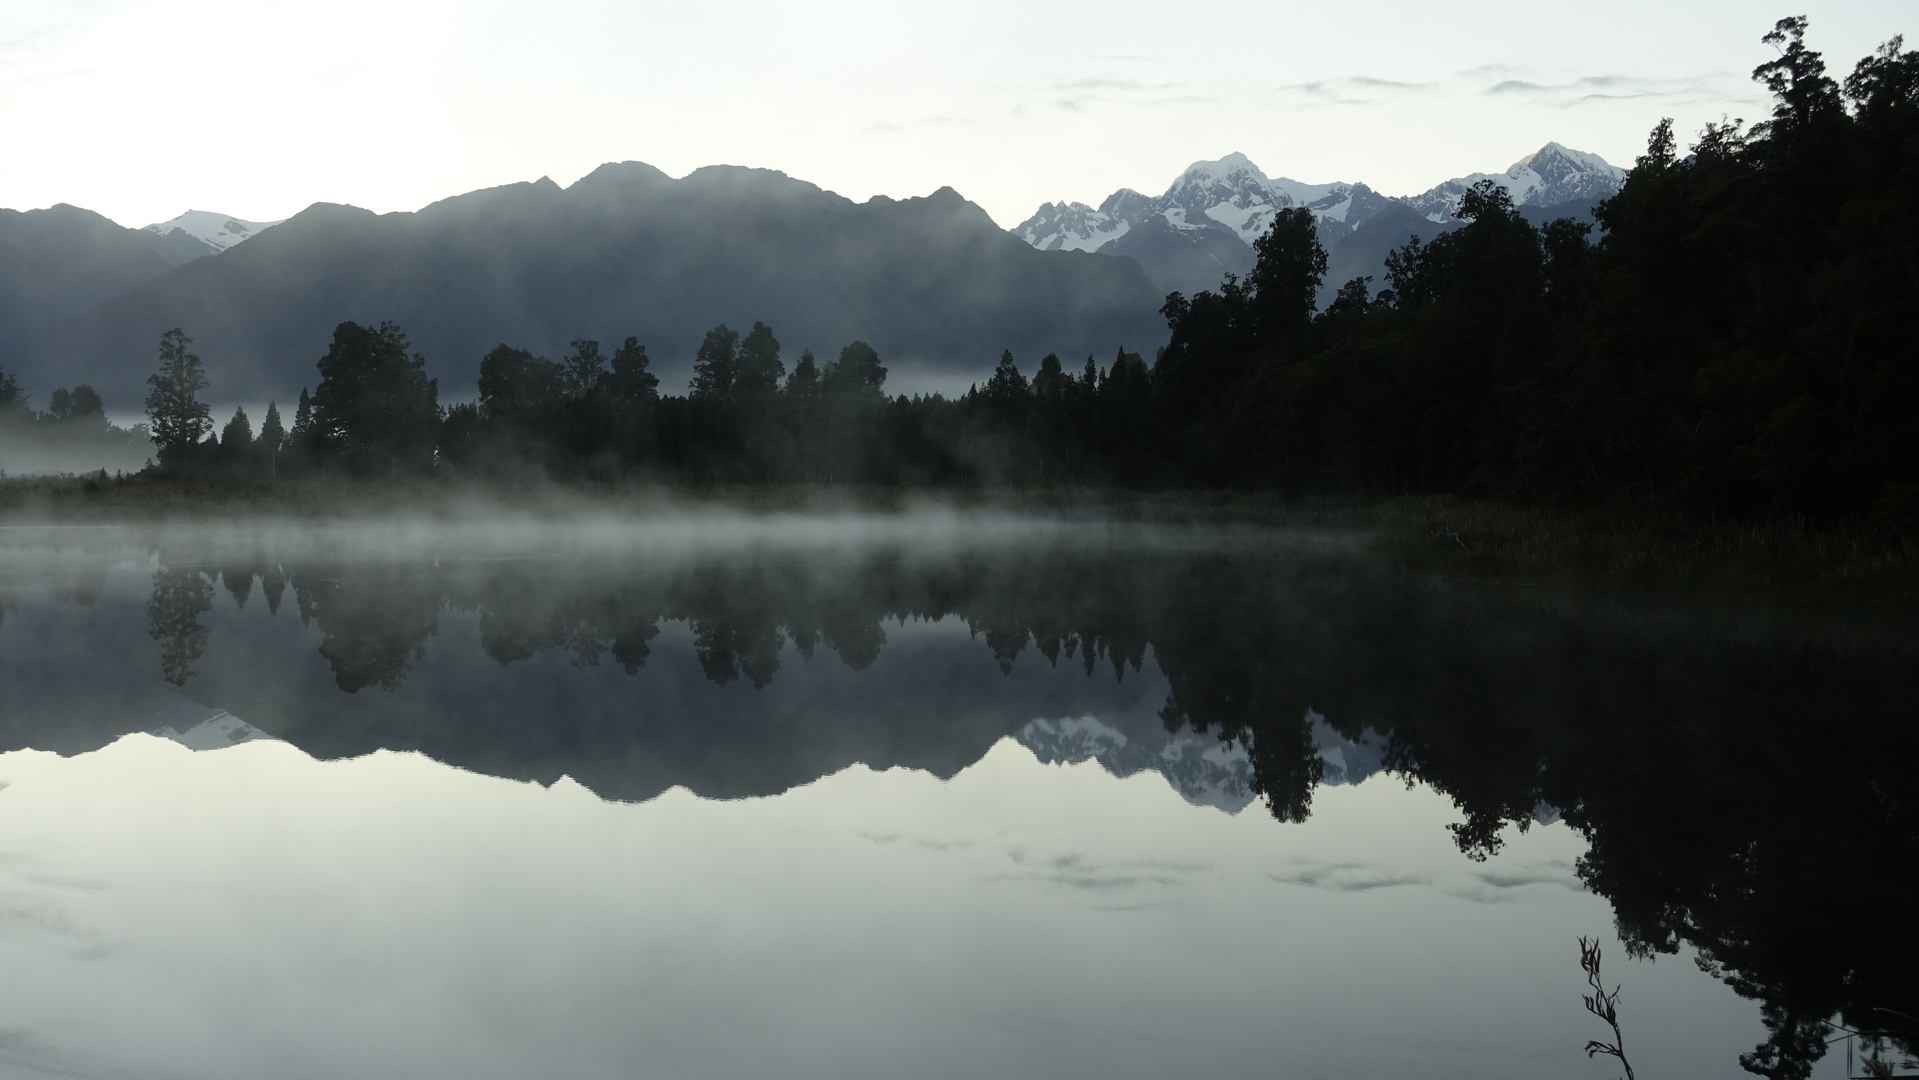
{"x":1549,"y":176}
{"x":1230,"y":194}
{"x":204,"y":232}
{"x":1204,"y":225}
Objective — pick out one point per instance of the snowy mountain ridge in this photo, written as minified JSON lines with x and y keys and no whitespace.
{"x":1205,"y":223}
{"x":1549,"y":176}
{"x":204,"y":232}
{"x":1231,"y":193}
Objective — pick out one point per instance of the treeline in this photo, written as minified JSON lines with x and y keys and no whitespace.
{"x":745,"y":418}
{"x":1742,"y":335}
{"x":74,"y":419}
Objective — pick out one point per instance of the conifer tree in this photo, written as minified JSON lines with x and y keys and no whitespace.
{"x":178,"y":417}
{"x":715,"y":365}
{"x":272,"y":434}
{"x":273,"y":437}
{"x":758,"y":368}
{"x":857,"y":374}
{"x":804,"y":383}
{"x":375,"y":409}
{"x":237,"y":437}
{"x":630,"y":380}
{"x":583,"y":370}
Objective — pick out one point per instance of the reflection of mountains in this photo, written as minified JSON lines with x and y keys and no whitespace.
{"x":1205,"y":770}
{"x":1695,"y":757}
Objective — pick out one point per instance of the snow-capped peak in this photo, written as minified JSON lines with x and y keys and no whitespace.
{"x":1229,"y":195}
{"x":217,"y":231}
{"x":1551,"y":175}
{"x":1231,"y":166}
{"x":1071,"y":227}
{"x":1232,"y":194}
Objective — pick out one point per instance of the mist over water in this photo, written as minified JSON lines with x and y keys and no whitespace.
{"x":946,"y":791}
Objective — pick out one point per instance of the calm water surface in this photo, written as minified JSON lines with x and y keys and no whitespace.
{"x":927,"y":795}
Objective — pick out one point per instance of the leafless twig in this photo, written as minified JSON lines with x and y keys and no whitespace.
{"x":1604,"y":1005}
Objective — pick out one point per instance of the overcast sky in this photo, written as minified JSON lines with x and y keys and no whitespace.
{"x":142,"y":110}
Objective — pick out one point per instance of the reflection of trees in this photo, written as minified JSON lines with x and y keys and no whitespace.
{"x":374,"y":622}
{"x":1754,"y":801}
{"x":180,"y":596}
{"x":239,"y":584}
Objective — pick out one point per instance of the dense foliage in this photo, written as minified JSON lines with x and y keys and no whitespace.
{"x":1743,"y":334}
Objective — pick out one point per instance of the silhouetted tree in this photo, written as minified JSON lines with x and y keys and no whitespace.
{"x":375,"y":410}
{"x":630,"y":381}
{"x":716,"y":364}
{"x":179,"y":419}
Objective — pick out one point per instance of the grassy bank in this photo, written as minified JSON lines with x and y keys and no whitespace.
{"x":1775,"y":559}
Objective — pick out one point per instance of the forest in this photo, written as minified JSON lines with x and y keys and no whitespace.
{"x":1738,"y":335}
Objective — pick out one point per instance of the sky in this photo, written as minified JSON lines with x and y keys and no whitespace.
{"x":142,"y":110}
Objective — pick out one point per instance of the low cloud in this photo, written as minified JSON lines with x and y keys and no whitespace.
{"x":1590,"y":89}
{"x":1352,"y":90}
{"x":1514,"y":83}
{"x":1080,"y":95}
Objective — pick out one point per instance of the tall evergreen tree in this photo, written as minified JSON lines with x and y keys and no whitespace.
{"x":1285,"y":278}
{"x":583,"y":370}
{"x":804,"y":383}
{"x":715,"y":365}
{"x":236,"y":439}
{"x":856,"y":374}
{"x":630,"y":380}
{"x":758,"y":368}
{"x":273,"y":434}
{"x":178,"y":417}
{"x":273,"y":438}
{"x":375,"y":410}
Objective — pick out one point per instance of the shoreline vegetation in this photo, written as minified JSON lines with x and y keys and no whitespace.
{"x":1772,"y":560}
{"x":1718,"y":393}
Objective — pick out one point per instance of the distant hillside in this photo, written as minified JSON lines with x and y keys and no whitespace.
{"x":931,"y":282}
{"x":57,"y":262}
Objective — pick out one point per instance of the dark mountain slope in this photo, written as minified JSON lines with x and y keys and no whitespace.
{"x":931,"y":282}
{"x":60,"y":261}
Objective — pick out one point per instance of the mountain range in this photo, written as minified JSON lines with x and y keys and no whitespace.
{"x":1204,"y":226}
{"x":933,"y":283}
{"x":1204,"y":770}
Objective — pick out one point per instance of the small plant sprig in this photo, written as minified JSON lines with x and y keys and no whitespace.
{"x":1604,"y":1005}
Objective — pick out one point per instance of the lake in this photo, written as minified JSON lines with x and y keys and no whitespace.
{"x":930,"y":794}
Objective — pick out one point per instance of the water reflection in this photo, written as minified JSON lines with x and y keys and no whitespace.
{"x":1746,"y":794}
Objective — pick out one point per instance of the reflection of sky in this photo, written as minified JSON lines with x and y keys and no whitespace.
{"x":253,"y":912}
